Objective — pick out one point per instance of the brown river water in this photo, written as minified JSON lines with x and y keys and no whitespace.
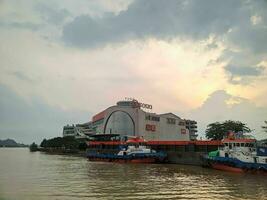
{"x":32,"y":176}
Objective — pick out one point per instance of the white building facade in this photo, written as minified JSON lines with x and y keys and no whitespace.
{"x":127,"y":118}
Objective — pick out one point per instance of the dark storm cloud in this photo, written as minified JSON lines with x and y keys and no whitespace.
{"x":152,"y":18}
{"x":168,"y":19}
{"x":245,"y":70}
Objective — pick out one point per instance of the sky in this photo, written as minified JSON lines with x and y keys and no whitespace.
{"x":63,"y":61}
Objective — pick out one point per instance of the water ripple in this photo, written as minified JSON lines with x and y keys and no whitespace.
{"x":27,"y":176}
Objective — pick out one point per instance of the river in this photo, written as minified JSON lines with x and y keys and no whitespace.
{"x":31,"y":176}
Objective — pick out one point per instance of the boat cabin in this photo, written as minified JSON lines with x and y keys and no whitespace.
{"x":136,"y":141}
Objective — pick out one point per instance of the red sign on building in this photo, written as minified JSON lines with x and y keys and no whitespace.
{"x":150,"y":127}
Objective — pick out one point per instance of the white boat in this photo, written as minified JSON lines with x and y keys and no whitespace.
{"x":239,"y":154}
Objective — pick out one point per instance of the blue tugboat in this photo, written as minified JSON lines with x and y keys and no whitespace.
{"x":239,"y":154}
{"x":134,"y":150}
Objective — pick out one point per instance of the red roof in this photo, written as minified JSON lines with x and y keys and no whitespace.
{"x":99,"y":116}
{"x":135,"y":140}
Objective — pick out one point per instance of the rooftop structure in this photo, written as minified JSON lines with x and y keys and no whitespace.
{"x":78,"y":130}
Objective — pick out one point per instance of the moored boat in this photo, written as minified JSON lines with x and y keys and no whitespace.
{"x":239,"y":154}
{"x":133,"y":151}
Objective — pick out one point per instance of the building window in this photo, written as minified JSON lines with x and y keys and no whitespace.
{"x":181,"y":123}
{"x":152,"y":118}
{"x":171,"y":121}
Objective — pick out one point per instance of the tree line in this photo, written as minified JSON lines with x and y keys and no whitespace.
{"x":64,"y":142}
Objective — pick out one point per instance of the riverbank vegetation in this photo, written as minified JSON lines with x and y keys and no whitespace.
{"x":33,"y":147}
{"x":218,"y":130}
{"x":67,"y":143}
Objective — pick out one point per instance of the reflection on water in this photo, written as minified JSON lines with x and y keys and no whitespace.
{"x":25,"y":175}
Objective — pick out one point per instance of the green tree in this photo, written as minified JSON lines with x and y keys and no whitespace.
{"x":58,"y":142}
{"x":265,"y":127}
{"x":33,"y":147}
{"x":217,"y":130}
{"x":43,"y":143}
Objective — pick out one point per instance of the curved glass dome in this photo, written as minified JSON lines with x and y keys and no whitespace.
{"x":120,"y":122}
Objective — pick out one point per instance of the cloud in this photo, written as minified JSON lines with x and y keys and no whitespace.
{"x":52,"y":15}
{"x":32,"y":121}
{"x":141,"y":20}
{"x":22,"y":76}
{"x":245,"y":71}
{"x":221,"y":106}
{"x":20,"y":25}
{"x":155,"y":18}
{"x":239,"y":25}
{"x":244,"y":74}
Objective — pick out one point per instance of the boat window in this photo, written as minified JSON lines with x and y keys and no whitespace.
{"x":230,"y":146}
{"x":226,"y":144}
{"x":242,"y":144}
{"x":238,"y":144}
{"x":246,"y":145}
{"x":234,"y":144}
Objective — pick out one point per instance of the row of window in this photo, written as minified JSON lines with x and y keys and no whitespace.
{"x":169,"y":120}
{"x":173,"y":121}
{"x":240,"y":144}
{"x":152,"y":118}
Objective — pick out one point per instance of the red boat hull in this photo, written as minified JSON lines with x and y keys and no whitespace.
{"x":226,"y":168}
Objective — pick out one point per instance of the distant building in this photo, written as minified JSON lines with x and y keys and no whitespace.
{"x":128,"y":118}
{"x":191,"y":125}
{"x":78,"y":130}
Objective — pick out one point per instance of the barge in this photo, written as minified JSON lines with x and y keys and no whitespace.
{"x":177,"y":152}
{"x":134,"y":150}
